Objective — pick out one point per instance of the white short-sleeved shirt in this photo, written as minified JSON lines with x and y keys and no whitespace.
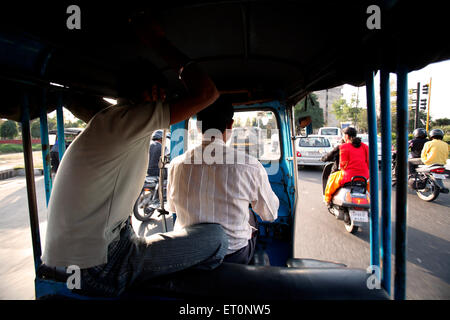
{"x":199,"y":191}
{"x":98,"y":181}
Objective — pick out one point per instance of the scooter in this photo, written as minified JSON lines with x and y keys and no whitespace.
{"x":350,"y":203}
{"x":427,"y":180}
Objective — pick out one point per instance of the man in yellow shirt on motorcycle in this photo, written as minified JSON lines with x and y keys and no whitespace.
{"x":435,"y":151}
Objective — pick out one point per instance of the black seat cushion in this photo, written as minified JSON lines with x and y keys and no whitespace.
{"x":245,"y":282}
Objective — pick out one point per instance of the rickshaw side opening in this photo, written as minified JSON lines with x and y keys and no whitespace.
{"x":29,"y":94}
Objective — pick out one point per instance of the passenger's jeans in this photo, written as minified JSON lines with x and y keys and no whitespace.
{"x":136,"y":259}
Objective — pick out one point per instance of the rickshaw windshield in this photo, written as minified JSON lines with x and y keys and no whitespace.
{"x":254,"y":132}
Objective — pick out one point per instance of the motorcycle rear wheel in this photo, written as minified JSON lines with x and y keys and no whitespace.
{"x":140,"y":212}
{"x":430,"y":193}
{"x":350,"y":226}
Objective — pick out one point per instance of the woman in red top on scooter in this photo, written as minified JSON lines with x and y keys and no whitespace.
{"x":353,"y":161}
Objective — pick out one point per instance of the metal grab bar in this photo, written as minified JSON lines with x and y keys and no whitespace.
{"x":386,"y":179}
{"x":373,"y":169}
{"x":401,"y":194}
{"x":31,"y":187}
{"x":45,"y":147}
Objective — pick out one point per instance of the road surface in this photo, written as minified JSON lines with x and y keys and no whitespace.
{"x":320,"y":236}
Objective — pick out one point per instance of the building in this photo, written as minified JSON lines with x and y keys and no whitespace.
{"x":326,"y":99}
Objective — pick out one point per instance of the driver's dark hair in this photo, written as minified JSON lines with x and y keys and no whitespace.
{"x":351,"y":132}
{"x":138,"y":76}
{"x":217,"y":116}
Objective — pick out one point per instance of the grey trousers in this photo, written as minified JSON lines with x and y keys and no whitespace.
{"x":413,"y":163}
{"x":134,"y":259}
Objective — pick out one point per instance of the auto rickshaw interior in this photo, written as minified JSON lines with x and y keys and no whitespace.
{"x":265,"y":55}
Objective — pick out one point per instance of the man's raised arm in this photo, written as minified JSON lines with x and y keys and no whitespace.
{"x":202,"y":91}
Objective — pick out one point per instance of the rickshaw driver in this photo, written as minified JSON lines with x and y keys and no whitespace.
{"x":221,"y":188}
{"x":100,"y":178}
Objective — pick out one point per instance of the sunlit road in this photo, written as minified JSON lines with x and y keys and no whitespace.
{"x":16,"y":254}
{"x":321,"y":236}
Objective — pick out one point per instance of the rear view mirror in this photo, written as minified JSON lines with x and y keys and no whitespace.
{"x":303,"y":122}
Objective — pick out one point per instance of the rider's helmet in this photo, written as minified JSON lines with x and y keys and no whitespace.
{"x":420,"y":133}
{"x":437,"y":133}
{"x":157,"y":135}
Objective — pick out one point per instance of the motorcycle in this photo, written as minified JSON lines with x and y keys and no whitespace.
{"x":350,"y":203}
{"x":427,"y":180}
{"x":148,"y":200}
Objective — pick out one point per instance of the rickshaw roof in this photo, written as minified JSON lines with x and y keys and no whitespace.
{"x":257,"y":50}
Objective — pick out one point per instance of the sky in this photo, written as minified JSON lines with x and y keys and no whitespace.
{"x":440,"y":87}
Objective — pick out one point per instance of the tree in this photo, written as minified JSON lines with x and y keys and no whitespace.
{"x":312,"y":109}
{"x":8,"y":129}
{"x":51,"y":123}
{"x":363,"y":124}
{"x":351,"y":112}
{"x":77,"y":124}
{"x":441,"y":122}
{"x":237,"y":123}
{"x":35,"y":128}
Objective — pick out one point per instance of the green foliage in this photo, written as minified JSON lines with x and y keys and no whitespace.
{"x":351,"y":112}
{"x":441,"y":122}
{"x":35,"y":128}
{"x":8,"y":129}
{"x":248,"y":122}
{"x":77,"y":124}
{"x":312,"y":109}
{"x":16,"y":148}
{"x":422,"y":120}
{"x":446,"y":129}
{"x":363,"y":124}
{"x":447,"y":138}
{"x":51,"y":123}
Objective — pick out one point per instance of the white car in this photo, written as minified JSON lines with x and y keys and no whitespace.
{"x":334,"y":134}
{"x":311,"y":148}
{"x":365,"y":139}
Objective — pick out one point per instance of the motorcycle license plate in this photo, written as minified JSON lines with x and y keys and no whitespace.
{"x":439,"y":176}
{"x":359,"y":216}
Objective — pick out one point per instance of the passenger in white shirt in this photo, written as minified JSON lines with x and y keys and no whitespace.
{"x":221,"y":183}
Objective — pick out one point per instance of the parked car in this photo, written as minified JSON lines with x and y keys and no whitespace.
{"x":334,"y":134}
{"x":311,"y":148}
{"x":365,"y":139}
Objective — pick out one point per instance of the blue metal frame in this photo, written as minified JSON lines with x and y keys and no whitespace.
{"x":401,"y":194}
{"x":373,"y":166}
{"x":386,"y":180}
{"x":45,"y":148}
{"x":60,"y":127}
{"x":177,"y":139}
